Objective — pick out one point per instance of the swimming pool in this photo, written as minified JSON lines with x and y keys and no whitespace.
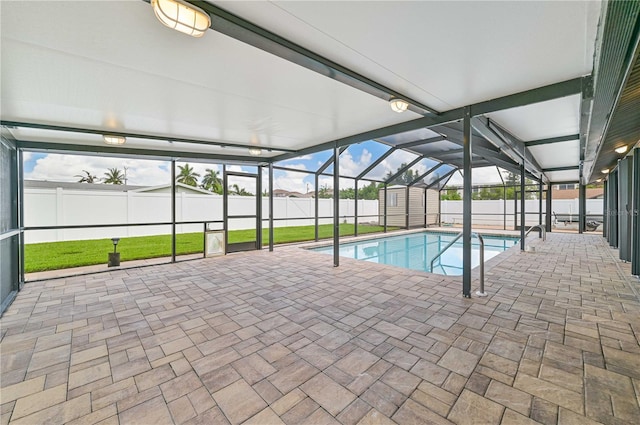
{"x":414,"y":251}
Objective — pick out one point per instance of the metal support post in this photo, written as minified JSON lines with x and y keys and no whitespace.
{"x":225,"y":207}
{"x":522,"y":204}
{"x":259,"y":209}
{"x":20,"y":175}
{"x":439,"y":207}
{"x":635,"y":211}
{"x":271,"y":207}
{"x":336,"y":206}
{"x":466,"y":206}
{"x":386,"y":201}
{"x":406,"y":207}
{"x":605,"y":212}
{"x":549,"y":215}
{"x":355,"y":208}
{"x":317,"y":205}
{"x":582,"y":207}
{"x":504,"y":207}
{"x":540,"y":202}
{"x":173,"y":210}
{"x":424,"y":193}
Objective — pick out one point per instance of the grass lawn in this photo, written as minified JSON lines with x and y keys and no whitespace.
{"x":61,"y":255}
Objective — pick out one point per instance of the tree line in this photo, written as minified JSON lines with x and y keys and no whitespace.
{"x":211,"y":180}
{"x":509,"y":191}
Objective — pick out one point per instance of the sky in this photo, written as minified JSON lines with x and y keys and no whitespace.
{"x":354,"y":160}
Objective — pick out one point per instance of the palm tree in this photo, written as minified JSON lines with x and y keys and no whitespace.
{"x":211,"y":182}
{"x":241,"y":191}
{"x":87,"y":177}
{"x":187,"y":175}
{"x":113,"y":176}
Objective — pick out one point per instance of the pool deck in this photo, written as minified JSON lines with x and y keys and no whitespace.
{"x":284,"y":337}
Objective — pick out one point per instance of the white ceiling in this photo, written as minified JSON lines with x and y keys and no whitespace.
{"x":112,"y":65}
{"x":446,"y":54}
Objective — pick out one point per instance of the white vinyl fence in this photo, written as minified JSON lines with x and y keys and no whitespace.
{"x":58,"y":207}
{"x":490,"y":212}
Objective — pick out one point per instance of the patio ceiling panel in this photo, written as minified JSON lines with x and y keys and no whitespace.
{"x":557,"y":154}
{"x":145,"y":78}
{"x":563,"y":176}
{"x":356,"y":35}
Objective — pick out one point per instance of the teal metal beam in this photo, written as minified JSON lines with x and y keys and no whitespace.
{"x":420,"y":142}
{"x":540,"y":94}
{"x":424,"y":122}
{"x":550,"y":140}
{"x":125,"y":151}
{"x":567,"y":168}
{"x":145,"y":136}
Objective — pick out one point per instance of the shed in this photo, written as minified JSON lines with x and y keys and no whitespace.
{"x":421,"y":209}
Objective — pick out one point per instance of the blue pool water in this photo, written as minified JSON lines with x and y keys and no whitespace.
{"x":415,"y":251}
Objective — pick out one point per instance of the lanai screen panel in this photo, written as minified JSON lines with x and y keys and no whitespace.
{"x":391,"y":164}
{"x":357,"y":157}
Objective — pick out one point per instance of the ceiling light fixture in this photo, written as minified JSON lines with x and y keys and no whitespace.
{"x":255,"y":151}
{"x":598,"y":181}
{"x":182,"y":16}
{"x":110,"y":139}
{"x":398,"y":105}
{"x":621,"y":149}
{"x":605,"y":170}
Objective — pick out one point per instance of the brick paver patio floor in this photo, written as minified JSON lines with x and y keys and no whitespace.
{"x":283,"y":337}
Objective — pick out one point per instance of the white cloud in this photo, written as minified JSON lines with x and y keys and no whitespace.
{"x":351,"y":167}
{"x":54,"y":167}
{"x":292,"y":181}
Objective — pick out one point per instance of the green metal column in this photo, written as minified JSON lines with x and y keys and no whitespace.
{"x":582,"y":207}
{"x":625,"y":200}
{"x":20,"y":170}
{"x":386,"y":201}
{"x":406,"y":207}
{"x":355,"y":208}
{"x":336,"y":206}
{"x":317,"y":204}
{"x":540,"y":202}
{"x":225,"y":207}
{"x":549,"y":212}
{"x":605,"y":211}
{"x":635,"y":214}
{"x":271,"y":206}
{"x":259,"y":209}
{"x":173,"y":211}
{"x":613,"y":209}
{"x":522,"y":206}
{"x":466,"y":206}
